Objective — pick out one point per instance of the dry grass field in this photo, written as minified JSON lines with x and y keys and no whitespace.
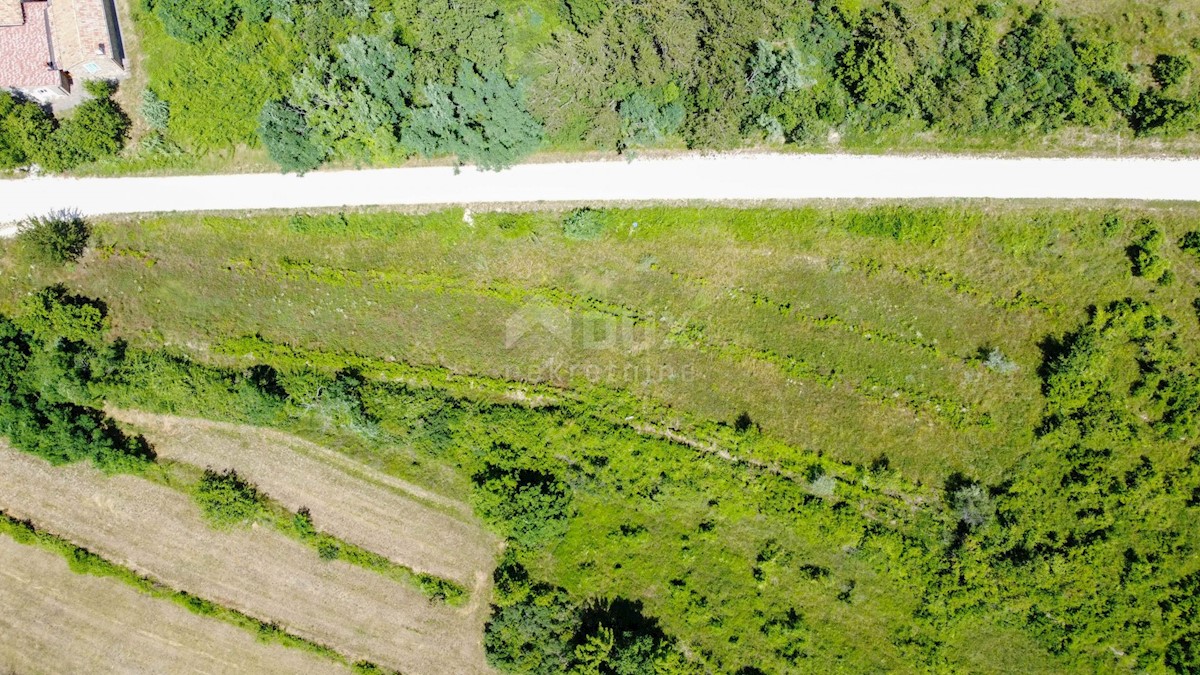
{"x":404,"y":522}
{"x":56,"y":621}
{"x":159,"y":532}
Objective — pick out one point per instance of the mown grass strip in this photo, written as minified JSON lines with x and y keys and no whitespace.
{"x":82,"y":561}
{"x":243,"y":502}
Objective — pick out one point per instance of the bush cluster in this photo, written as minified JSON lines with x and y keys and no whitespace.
{"x":95,"y":129}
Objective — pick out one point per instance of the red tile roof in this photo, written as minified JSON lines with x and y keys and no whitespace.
{"x":80,"y":32}
{"x":25,"y":51}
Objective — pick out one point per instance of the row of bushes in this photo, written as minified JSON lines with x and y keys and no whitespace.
{"x":83,"y":561}
{"x":228,"y":500}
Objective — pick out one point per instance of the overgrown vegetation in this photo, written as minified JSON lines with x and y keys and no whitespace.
{"x":490,"y":82}
{"x":40,"y":380}
{"x":55,"y":357}
{"x":678,"y":522}
{"x":29,"y":135}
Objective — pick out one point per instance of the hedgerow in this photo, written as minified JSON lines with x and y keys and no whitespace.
{"x":83,"y":561}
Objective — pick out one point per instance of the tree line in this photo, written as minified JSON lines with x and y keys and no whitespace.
{"x":376,"y":81}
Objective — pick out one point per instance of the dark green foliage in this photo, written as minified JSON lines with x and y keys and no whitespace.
{"x":481,"y":119}
{"x":1190,"y":243}
{"x":352,"y":104}
{"x":537,"y":628}
{"x":55,"y":238}
{"x":1146,"y":257}
{"x":196,"y":20}
{"x":36,"y":366}
{"x":100,"y":88}
{"x":65,"y":433}
{"x":25,"y":131}
{"x":227,"y":499}
{"x":96,"y":129}
{"x":1038,"y":75}
{"x":585,"y":13}
{"x":583,"y":224}
{"x":485,"y":81}
{"x":1161,"y":114}
{"x":53,"y":314}
{"x":1170,"y":69}
{"x":1095,"y":529}
{"x":285,"y":135}
{"x":527,"y":504}
{"x":881,"y":62}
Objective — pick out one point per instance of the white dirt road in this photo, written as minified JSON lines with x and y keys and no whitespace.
{"x":722,"y":177}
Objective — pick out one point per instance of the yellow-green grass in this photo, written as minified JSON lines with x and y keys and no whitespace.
{"x":832,"y":340}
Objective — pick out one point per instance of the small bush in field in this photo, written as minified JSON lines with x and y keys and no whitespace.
{"x":998,"y":362}
{"x":1190,"y":243}
{"x":56,"y":238}
{"x":229,"y":500}
{"x":1147,"y":262}
{"x":972,"y":505}
{"x":583,"y":224}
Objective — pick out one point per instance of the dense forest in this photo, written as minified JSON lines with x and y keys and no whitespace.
{"x":712,"y":545}
{"x":491,"y":81}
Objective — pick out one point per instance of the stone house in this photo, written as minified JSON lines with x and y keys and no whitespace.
{"x":48,"y":47}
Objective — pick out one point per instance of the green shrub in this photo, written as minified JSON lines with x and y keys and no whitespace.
{"x":1190,"y":243}
{"x":527,"y":504}
{"x":285,"y":135}
{"x":973,"y":506}
{"x":646,"y":120}
{"x":583,"y":224}
{"x":95,"y":129}
{"x":1146,"y":258}
{"x":25,"y":130}
{"x":155,"y":110}
{"x":481,"y":119}
{"x":1170,"y":69}
{"x":328,"y":550}
{"x":53,"y":314}
{"x":196,"y":20}
{"x":227,"y":500}
{"x":925,"y":226}
{"x":56,"y":238}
